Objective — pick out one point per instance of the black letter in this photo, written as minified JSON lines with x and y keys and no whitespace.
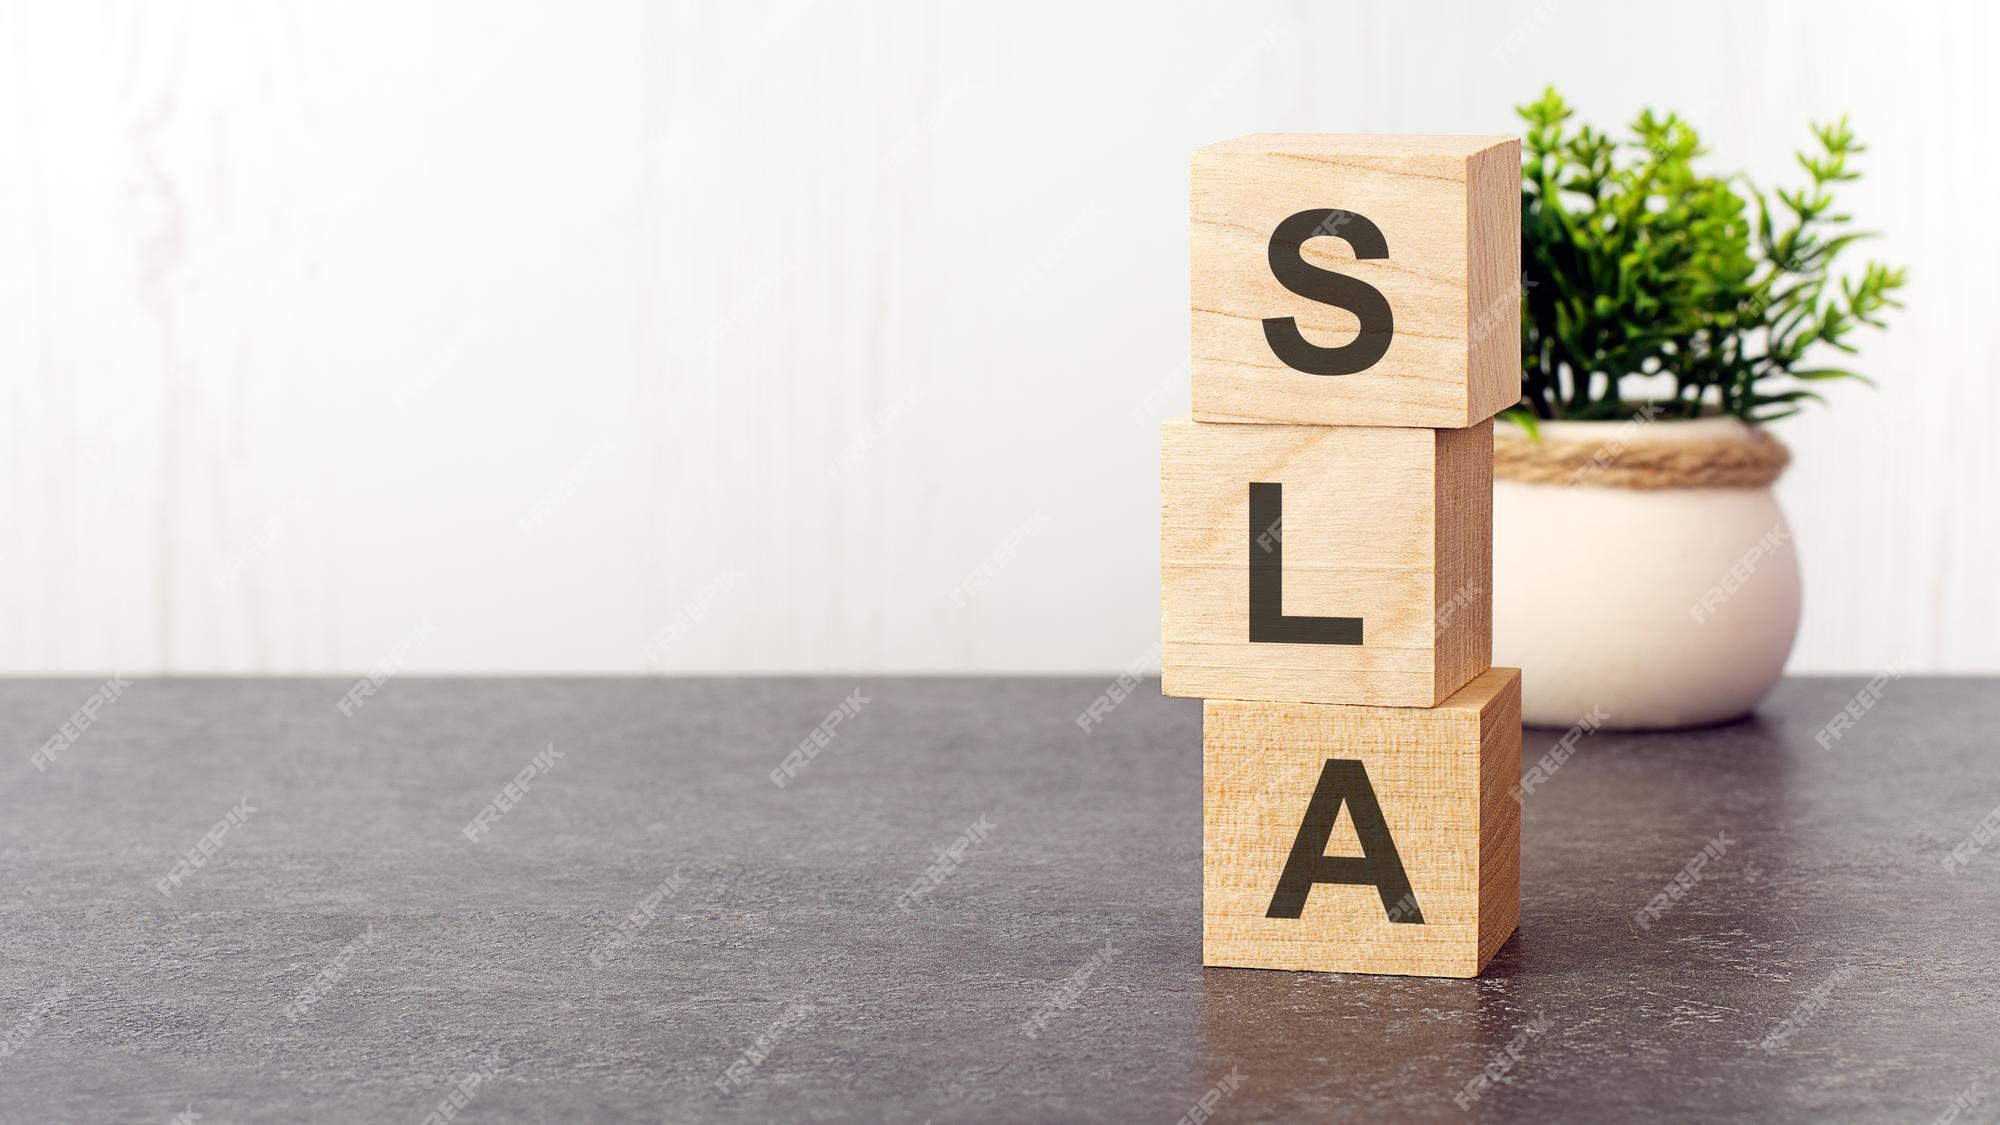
{"x":1288,"y":265}
{"x":1380,"y":867}
{"x":1268,"y":622}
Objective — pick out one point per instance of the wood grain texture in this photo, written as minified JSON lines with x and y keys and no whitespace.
{"x":1389,"y":524}
{"x":1452,"y":227}
{"x":1462,"y":583}
{"x":1441,"y":776}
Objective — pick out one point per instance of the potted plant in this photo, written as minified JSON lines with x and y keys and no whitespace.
{"x":1643,"y":574}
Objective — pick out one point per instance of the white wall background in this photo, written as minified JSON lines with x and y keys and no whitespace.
{"x":554,"y":326}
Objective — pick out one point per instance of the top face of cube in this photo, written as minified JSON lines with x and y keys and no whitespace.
{"x":1356,"y":280}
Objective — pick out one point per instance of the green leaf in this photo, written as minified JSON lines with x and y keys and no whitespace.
{"x":1525,"y":418}
{"x":1645,"y":262}
{"x":1818,"y":373}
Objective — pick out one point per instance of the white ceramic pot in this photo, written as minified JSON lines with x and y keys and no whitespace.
{"x":1657,"y":608}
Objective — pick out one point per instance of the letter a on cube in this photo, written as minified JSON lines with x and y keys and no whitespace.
{"x":1355,"y":839}
{"x":1356,"y":280}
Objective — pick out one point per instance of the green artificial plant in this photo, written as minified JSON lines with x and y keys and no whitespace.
{"x":1641,"y":265}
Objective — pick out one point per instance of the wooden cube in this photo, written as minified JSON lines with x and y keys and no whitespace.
{"x":1362,"y":839}
{"x":1325,"y":564}
{"x":1346,"y":280}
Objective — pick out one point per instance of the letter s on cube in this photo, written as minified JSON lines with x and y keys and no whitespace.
{"x":1347,"y":280}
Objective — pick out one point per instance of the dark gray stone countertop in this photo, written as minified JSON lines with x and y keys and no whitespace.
{"x":346,"y":953}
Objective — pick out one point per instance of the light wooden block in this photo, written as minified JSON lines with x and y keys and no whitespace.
{"x":1409,"y":248}
{"x":1438,"y":900}
{"x":1389,"y":527}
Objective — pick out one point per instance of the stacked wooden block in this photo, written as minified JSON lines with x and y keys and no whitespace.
{"x":1326,"y":550}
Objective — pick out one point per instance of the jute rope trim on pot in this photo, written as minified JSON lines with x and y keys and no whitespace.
{"x":1741,"y":462}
